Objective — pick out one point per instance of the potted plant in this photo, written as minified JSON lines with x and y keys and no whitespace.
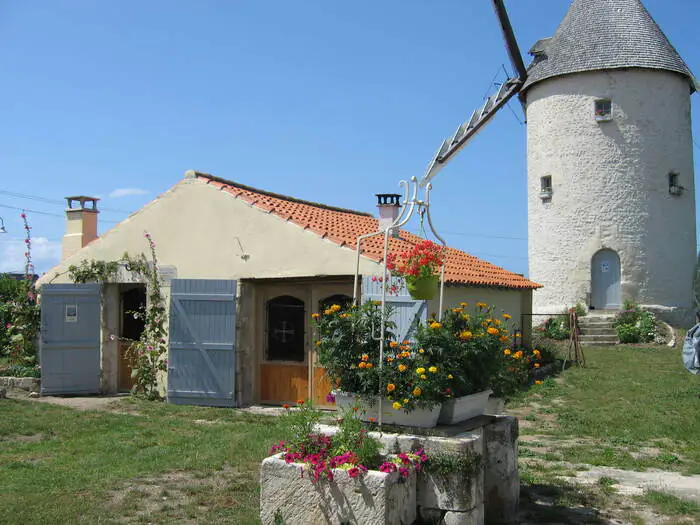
{"x":419,"y":266}
{"x":471,"y":344}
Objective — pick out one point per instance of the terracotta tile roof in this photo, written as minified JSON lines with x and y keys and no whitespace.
{"x":343,"y":226}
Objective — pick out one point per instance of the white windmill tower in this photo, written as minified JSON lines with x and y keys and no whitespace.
{"x":611,"y":198}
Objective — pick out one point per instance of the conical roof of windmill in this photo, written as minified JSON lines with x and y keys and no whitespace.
{"x":605,"y":34}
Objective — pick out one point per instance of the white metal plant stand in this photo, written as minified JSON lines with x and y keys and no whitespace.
{"x":409,"y":206}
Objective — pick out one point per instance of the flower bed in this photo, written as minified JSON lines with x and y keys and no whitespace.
{"x":464,"y":353}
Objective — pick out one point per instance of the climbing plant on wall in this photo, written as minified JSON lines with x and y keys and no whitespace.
{"x":147,"y":355}
{"x":23,"y":311}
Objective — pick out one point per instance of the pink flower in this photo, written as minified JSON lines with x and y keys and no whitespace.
{"x":23,"y":215}
{"x":354,"y":472}
{"x":330,"y":398}
{"x":26,"y":241}
{"x":403,"y":471}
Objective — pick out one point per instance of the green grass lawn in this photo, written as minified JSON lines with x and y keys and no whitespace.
{"x":161,"y":464}
{"x":631,"y":407}
{"x":156,"y":463}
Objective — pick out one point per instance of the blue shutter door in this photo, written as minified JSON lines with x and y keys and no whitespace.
{"x":69,"y":344}
{"x":202,"y":354}
{"x":408,"y":312}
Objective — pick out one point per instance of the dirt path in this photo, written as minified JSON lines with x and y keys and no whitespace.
{"x":78,"y":403}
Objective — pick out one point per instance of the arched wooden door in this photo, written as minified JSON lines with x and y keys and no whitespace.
{"x":605,"y":280}
{"x":284,"y":372}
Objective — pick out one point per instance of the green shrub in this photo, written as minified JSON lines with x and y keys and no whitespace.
{"x":556,"y":328}
{"x":634,"y":325}
{"x":628,"y":333}
{"x":22,"y":371}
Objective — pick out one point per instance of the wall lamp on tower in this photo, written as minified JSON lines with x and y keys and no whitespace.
{"x":2,"y":226}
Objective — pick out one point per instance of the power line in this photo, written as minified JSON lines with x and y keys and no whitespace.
{"x":56,"y":202}
{"x":38,"y":212}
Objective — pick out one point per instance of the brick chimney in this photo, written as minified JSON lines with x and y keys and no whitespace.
{"x":388,"y":205}
{"x":81,"y":224}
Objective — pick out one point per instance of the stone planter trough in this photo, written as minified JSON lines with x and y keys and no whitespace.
{"x":463,"y":408}
{"x":376,"y":498}
{"x":369,"y":409}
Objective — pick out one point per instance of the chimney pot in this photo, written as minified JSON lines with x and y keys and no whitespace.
{"x":81,"y":224}
{"x":388,"y":205}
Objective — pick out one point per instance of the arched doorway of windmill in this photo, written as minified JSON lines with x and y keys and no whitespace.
{"x":605,"y":280}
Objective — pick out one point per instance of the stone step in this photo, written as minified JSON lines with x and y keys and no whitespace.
{"x":598,"y":343}
{"x":595,"y":339}
{"x":595,"y":330}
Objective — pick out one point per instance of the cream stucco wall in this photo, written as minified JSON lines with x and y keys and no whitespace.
{"x":610,"y":187}
{"x":197,"y":229}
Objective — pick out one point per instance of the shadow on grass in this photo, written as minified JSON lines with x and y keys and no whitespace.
{"x":550,"y":503}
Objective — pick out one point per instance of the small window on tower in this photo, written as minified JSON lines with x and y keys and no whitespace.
{"x":546,"y":187}
{"x":674,"y":187}
{"x":603,"y":109}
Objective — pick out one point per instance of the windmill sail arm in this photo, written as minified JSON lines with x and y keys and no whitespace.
{"x":468,"y":130}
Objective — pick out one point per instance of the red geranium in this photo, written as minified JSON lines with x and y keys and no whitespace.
{"x":423,"y":260}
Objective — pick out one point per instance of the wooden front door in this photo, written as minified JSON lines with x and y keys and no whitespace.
{"x":284,"y":371}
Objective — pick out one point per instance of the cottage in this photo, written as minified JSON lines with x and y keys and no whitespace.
{"x":243,"y":270}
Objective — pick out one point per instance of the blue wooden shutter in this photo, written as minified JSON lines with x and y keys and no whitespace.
{"x":202,"y":355}
{"x":408,"y":312}
{"x":69,"y":346}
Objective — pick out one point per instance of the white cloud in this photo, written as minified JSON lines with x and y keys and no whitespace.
{"x":126,"y":192}
{"x":45,"y":255}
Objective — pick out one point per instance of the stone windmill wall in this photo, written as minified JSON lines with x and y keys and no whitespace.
{"x":610,"y":164}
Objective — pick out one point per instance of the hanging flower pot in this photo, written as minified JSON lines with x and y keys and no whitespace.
{"x":420,"y":267}
{"x":423,"y":287}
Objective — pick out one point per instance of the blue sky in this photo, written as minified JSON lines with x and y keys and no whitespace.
{"x":327,"y":101}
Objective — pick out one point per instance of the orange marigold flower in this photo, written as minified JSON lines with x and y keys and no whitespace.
{"x":344,"y":316}
{"x":285,"y":406}
{"x":537,"y":365}
{"x":507,"y":316}
{"x":538,"y":382}
{"x":402,"y":368}
{"x":497,"y":322}
{"x":518,"y":354}
{"x":492,"y":330}
{"x":393,"y":344}
{"x":372,"y":419}
{"x":463,"y":304}
{"x":369,"y":365}
{"x":315,"y":316}
{"x":482,"y":305}
{"x":390,"y":359}
{"x":465,"y":317}
{"x":506,"y":352}
{"x":390,"y":387}
{"x":318,"y":343}
{"x":364,"y":357}
{"x":456,"y":310}
{"x":465,"y":335}
{"x":300,"y":401}
{"x":504,"y":339}
{"x":417,"y":391}
{"x":435,"y":325}
{"x":406,"y":342}
{"x":361,"y":364}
